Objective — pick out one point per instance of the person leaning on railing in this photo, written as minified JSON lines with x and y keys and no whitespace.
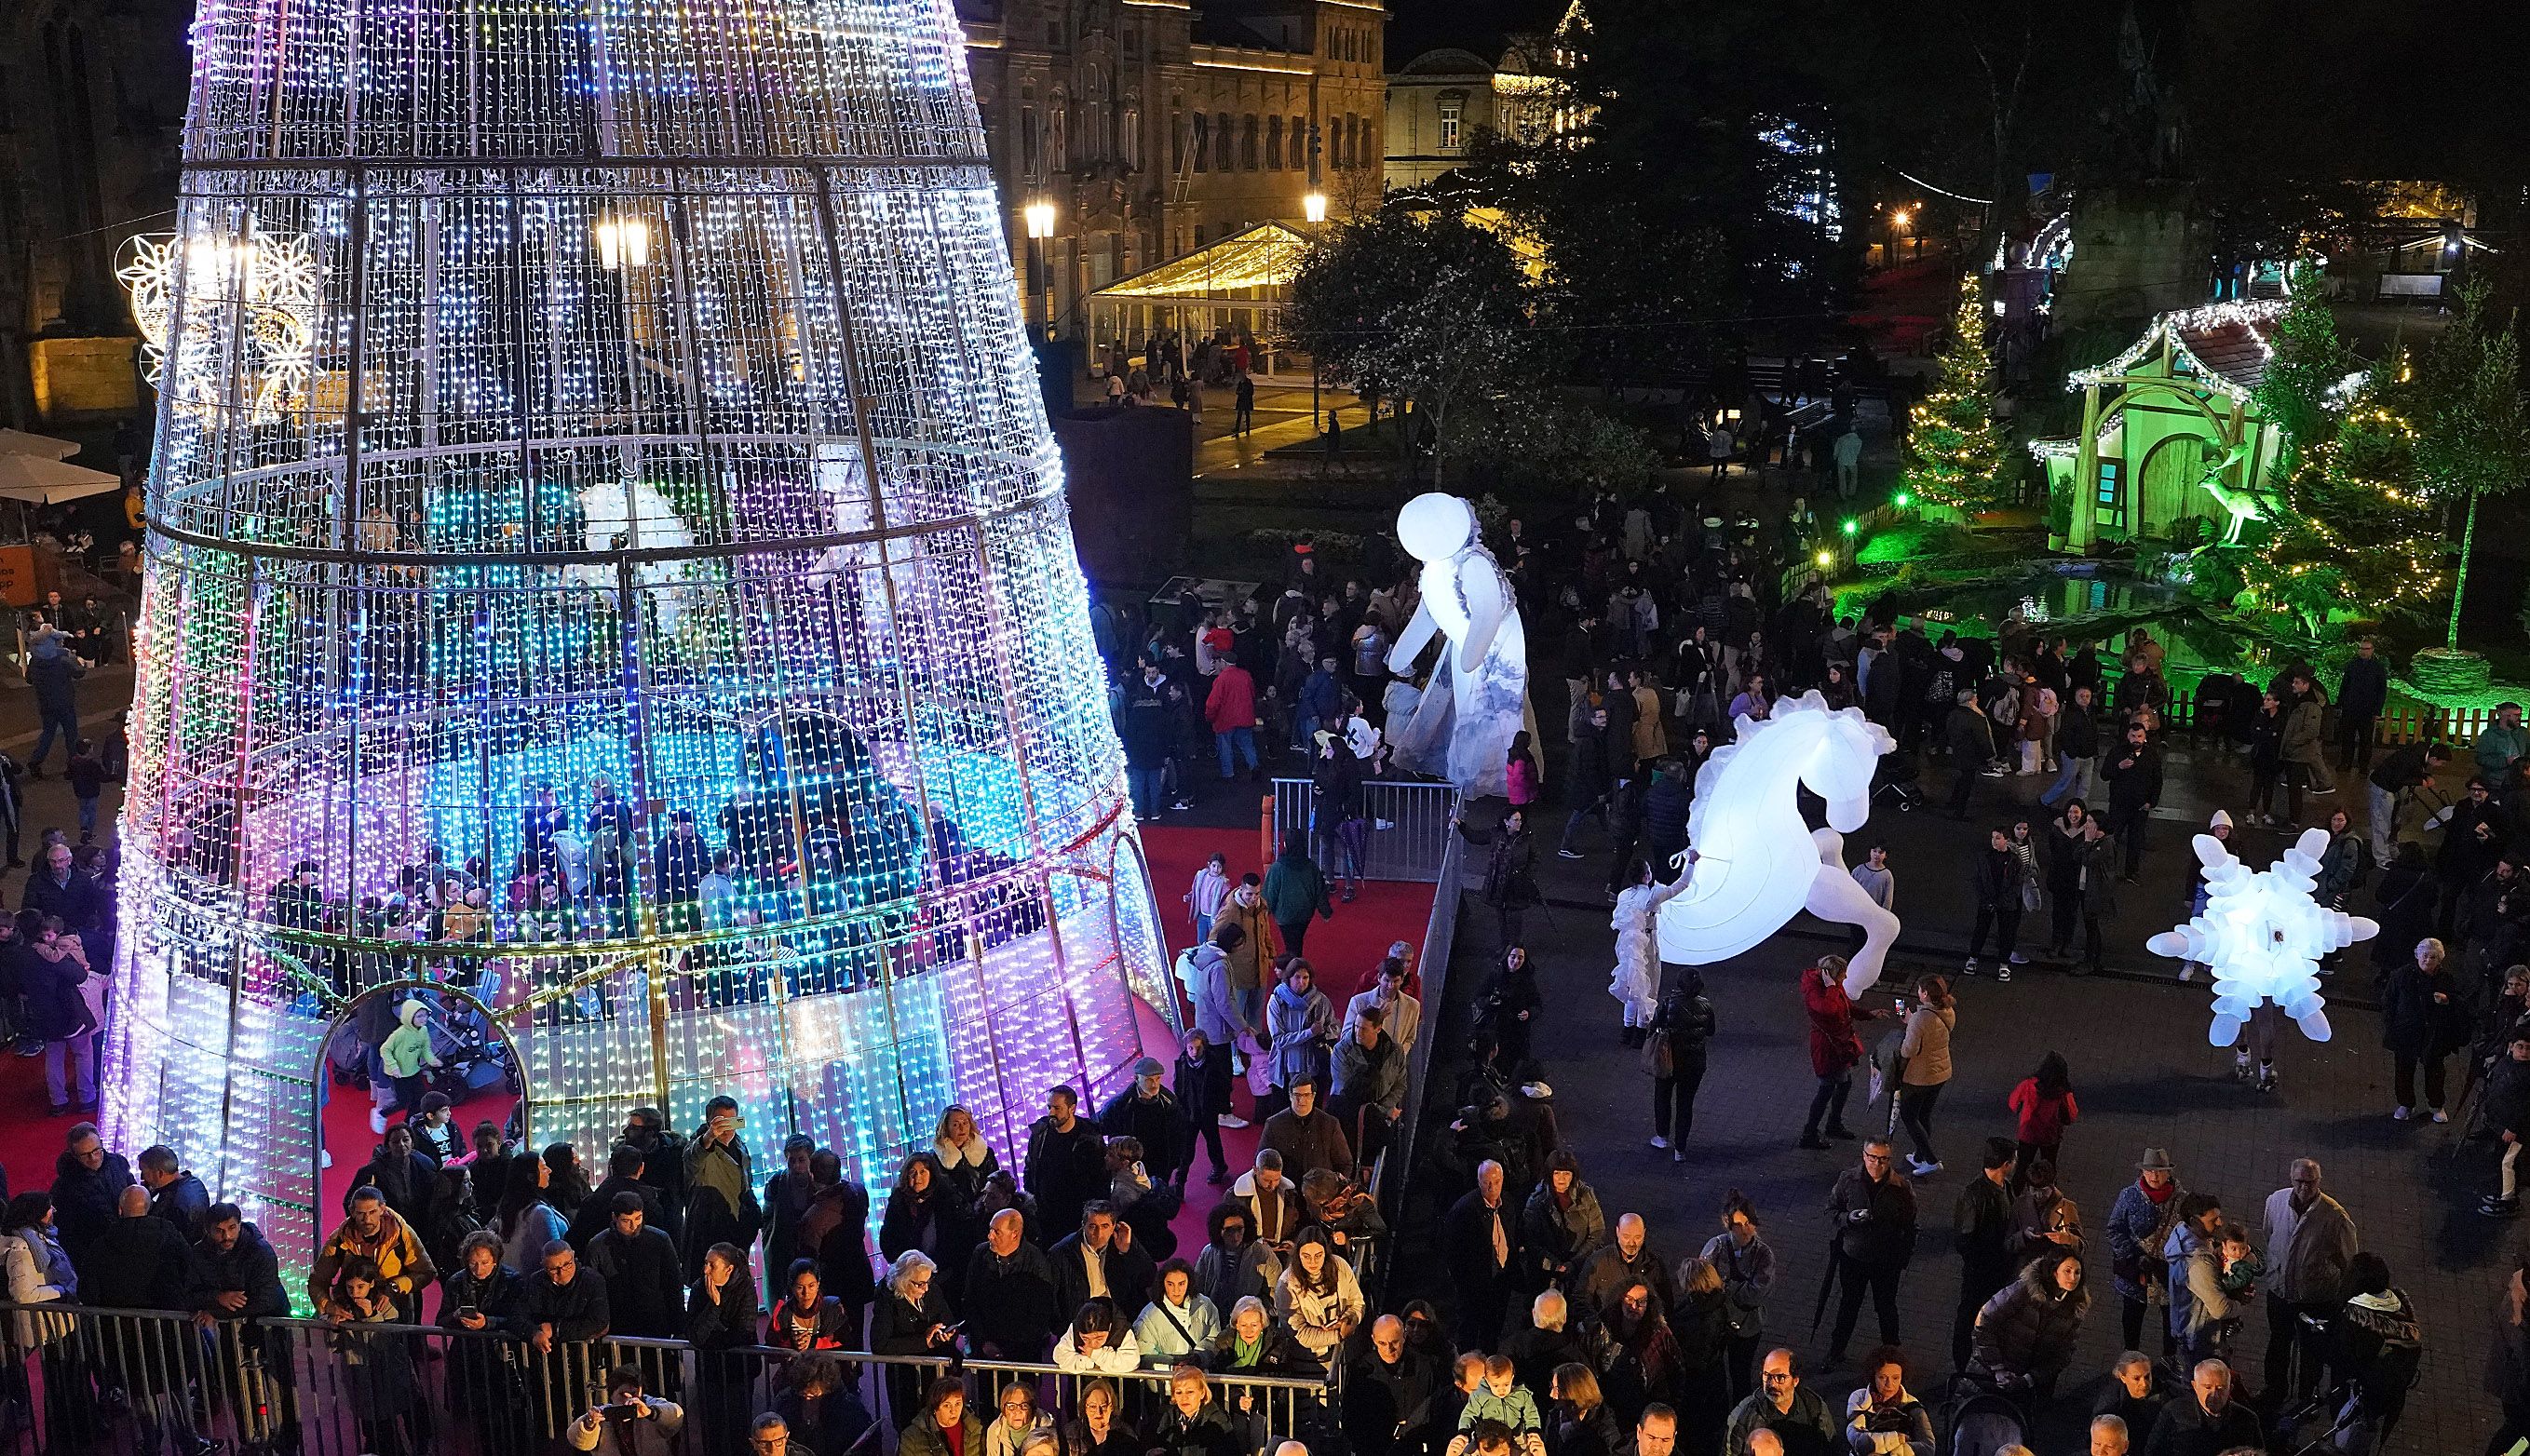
{"x":371,"y":1229}
{"x":1179,"y":1323}
{"x":810,"y":1319}
{"x":485,"y":1296}
{"x":1098,"y":1340}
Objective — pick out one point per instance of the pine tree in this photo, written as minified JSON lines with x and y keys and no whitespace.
{"x":2346,"y":529}
{"x":1955,"y":453}
{"x":2475,"y":440}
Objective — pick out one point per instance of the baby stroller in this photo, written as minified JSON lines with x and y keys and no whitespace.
{"x":471,"y":1062}
{"x":2332,"y":1422}
{"x":1893,"y":778}
{"x":1982,"y":1421}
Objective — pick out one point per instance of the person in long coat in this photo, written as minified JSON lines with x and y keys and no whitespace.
{"x":1561,"y":1223}
{"x":2425,"y":1016}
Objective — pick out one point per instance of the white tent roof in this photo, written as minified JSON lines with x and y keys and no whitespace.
{"x":19,"y":442}
{"x":38,"y":481}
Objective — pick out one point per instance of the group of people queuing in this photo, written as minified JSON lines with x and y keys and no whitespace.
{"x":57,"y":965}
{"x":1180,"y":370}
{"x":1299,"y":667}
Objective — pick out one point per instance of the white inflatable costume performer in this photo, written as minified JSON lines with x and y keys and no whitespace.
{"x":1637,"y":979}
{"x":2263,"y":933}
{"x":1468,"y":601}
{"x":1757,"y":863}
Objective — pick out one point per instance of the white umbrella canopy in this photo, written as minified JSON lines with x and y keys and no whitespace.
{"x":37,"y":481}
{"x":19,"y":442}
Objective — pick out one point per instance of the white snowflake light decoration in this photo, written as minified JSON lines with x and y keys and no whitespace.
{"x":2263,"y":934}
{"x":256,"y":295}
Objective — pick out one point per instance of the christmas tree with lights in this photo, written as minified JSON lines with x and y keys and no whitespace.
{"x":1955,"y":452}
{"x":2353,"y":532}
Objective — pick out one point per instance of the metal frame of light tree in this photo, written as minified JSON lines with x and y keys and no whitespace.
{"x":655,"y":408}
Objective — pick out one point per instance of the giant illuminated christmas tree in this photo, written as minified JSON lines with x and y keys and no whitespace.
{"x":576,"y":420}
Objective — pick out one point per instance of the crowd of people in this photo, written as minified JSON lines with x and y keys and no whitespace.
{"x":1544,"y":1270}
{"x":1067,"y":1255}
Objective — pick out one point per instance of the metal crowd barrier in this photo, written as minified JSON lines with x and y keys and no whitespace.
{"x":79,"y":1381}
{"x":1409,"y":827}
{"x":1440,"y":937}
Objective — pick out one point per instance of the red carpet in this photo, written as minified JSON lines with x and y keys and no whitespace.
{"x":1344,"y":951}
{"x":29,"y":1141}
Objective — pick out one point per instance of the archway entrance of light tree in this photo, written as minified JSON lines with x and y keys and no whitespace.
{"x":359,"y":1107}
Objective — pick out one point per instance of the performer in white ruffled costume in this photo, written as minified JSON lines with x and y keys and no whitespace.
{"x":1637,"y":979}
{"x":1468,"y":601}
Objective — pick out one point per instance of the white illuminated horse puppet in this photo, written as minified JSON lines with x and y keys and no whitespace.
{"x":1756,"y":863}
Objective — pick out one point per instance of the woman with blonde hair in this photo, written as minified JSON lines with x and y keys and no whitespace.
{"x":1583,"y":1425}
{"x":913,"y":1317}
{"x":1194,"y":1424}
{"x":964,"y":1160}
{"x":1927,"y":1054}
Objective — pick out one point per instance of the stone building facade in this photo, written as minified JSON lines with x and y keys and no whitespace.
{"x":91,"y":107}
{"x":1153,"y":128}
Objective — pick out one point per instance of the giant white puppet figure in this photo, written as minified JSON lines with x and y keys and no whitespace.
{"x":1468,"y":601}
{"x":2262,"y":932}
{"x":1756,"y":862}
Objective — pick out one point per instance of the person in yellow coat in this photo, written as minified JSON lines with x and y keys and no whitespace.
{"x":1651,"y":738}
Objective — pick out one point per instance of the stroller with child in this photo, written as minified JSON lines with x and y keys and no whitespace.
{"x":1981,"y":1420}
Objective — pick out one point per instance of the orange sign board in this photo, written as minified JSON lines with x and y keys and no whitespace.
{"x":18,"y":576}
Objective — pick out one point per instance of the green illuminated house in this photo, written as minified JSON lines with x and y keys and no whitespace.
{"x":2173,"y":445}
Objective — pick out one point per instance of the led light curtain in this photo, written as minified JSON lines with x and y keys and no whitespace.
{"x":573,"y":419}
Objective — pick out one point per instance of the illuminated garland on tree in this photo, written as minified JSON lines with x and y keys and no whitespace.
{"x":1955,"y":453}
{"x":2354,"y":533}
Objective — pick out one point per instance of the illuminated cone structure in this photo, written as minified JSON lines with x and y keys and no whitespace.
{"x":623,"y":390}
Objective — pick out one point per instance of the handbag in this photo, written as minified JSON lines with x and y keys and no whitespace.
{"x":1260,"y":1064}
{"x":2029,"y":896}
{"x":1657,"y":1060}
{"x":1195,"y":1354}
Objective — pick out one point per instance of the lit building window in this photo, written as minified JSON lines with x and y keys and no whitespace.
{"x":1451,"y":113}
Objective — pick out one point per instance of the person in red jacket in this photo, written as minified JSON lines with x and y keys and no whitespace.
{"x":2045,"y":1102}
{"x":1231,"y":708}
{"x":1834,"y":1048}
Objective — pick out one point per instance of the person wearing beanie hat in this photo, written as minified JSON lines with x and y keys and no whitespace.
{"x":2220,"y":826}
{"x":1147,"y":1110}
{"x":407,"y":1056}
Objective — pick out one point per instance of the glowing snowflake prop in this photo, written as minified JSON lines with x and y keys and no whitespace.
{"x":2263,"y":934}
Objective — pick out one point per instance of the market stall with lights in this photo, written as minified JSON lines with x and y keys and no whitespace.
{"x":1241,"y":282}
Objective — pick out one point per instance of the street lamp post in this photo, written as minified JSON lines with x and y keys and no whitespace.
{"x":1040,"y":226}
{"x":1314,"y":208}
